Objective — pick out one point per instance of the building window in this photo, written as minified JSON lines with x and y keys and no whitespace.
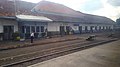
{"x":37,"y":29}
{"x":106,"y":28}
{"x":99,"y":27}
{"x":91,"y":28}
{"x":23,"y":29}
{"x":42,"y":28}
{"x":67,"y":29}
{"x":27,"y":29}
{"x":32,"y":28}
{"x":95,"y":27}
{"x":62,"y":29}
{"x":8,"y":29}
{"x":103,"y":28}
{"x":86,"y":28}
{"x":109,"y":27}
{"x":80,"y":29}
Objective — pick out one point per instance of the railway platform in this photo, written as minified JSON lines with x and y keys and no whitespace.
{"x":106,"y":55}
{"x":5,"y":45}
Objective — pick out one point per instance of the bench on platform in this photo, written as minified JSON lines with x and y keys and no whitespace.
{"x":111,"y":35}
{"x":91,"y":38}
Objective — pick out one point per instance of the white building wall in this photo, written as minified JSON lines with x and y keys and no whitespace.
{"x":75,"y":28}
{"x":105,"y":26}
{"x":4,"y":22}
{"x":102,"y":25}
{"x":54,"y":26}
{"x":88,"y":26}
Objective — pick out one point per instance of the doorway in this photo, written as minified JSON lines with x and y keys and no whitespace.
{"x":91,"y":29}
{"x":8,"y":31}
{"x":62,"y":30}
{"x":80,"y":29}
{"x":86,"y":29}
{"x":67,"y":30}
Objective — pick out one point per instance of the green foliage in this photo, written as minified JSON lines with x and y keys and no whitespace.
{"x":16,"y":36}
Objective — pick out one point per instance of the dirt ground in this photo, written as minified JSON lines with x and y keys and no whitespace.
{"x":106,"y":55}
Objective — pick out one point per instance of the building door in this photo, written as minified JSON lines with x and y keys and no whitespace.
{"x":37,"y":31}
{"x":67,"y":30}
{"x":99,"y":28}
{"x":96,"y":29}
{"x":62,"y":30}
{"x":42,"y":30}
{"x":91,"y":28}
{"x":80,"y":29}
{"x":27,"y":32}
{"x":22,"y":31}
{"x":8,"y":31}
{"x":103,"y":28}
{"x":86,"y":29}
{"x":33,"y":29}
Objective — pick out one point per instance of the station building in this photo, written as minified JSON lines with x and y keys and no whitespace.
{"x":57,"y":19}
{"x":66,"y":19}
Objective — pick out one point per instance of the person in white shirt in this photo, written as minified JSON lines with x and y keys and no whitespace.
{"x":32,"y":37}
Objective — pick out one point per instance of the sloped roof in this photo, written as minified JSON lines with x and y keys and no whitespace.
{"x":97,"y":19}
{"x":59,"y":12}
{"x":54,"y":11}
{"x":10,"y":8}
{"x":6,"y":8}
{"x":23,"y":7}
{"x":62,"y":18}
{"x":54,"y":8}
{"x":33,"y":18}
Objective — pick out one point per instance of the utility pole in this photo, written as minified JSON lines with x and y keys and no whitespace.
{"x":15,"y":7}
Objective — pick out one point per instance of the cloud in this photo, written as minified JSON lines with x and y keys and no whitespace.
{"x":118,"y":16}
{"x":92,"y":5}
{"x":114,"y":2}
{"x":109,"y":11}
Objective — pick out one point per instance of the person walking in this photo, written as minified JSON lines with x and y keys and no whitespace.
{"x":32,"y":37}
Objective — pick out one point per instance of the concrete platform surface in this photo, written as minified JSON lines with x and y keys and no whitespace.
{"x":106,"y":55}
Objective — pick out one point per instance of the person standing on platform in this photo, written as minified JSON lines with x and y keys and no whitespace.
{"x":32,"y":37}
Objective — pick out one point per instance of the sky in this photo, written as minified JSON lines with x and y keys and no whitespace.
{"x":107,"y":8}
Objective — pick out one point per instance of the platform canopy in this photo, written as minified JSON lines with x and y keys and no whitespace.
{"x":32,"y":18}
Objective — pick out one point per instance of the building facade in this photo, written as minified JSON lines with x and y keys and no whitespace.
{"x":8,"y":26}
{"x":56,"y":19}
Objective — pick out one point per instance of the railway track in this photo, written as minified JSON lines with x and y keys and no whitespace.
{"x":39,"y":56}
